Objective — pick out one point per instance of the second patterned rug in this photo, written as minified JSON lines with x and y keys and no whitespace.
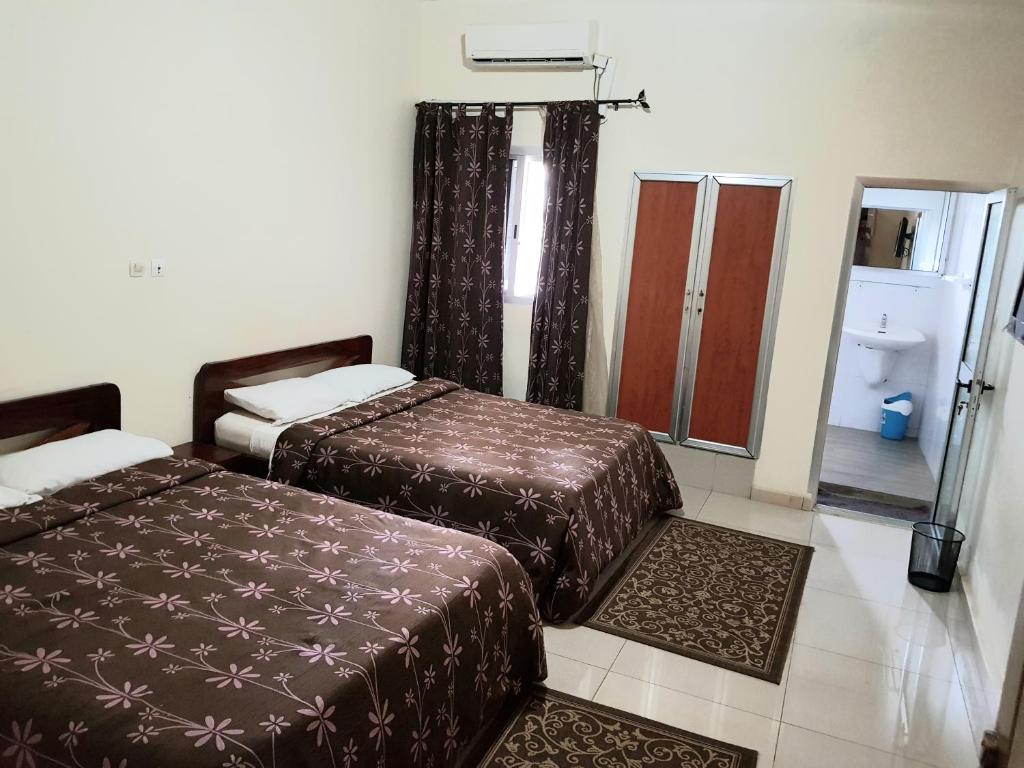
{"x":555,"y":730}
{"x":717,"y":595}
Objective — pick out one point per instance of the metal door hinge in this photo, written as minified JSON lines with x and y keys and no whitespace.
{"x":991,"y":750}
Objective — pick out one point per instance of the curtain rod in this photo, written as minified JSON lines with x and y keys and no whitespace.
{"x":639,"y":101}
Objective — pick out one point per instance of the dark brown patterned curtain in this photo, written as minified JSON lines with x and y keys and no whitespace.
{"x":453,"y":311}
{"x":558,"y":337}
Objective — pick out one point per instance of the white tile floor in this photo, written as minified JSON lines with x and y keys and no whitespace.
{"x":880,"y":674}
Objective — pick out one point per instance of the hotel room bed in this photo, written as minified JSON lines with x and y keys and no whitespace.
{"x":564,"y":492}
{"x":176,"y":610}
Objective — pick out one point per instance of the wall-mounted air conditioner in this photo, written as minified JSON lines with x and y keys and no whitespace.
{"x":565,"y":45}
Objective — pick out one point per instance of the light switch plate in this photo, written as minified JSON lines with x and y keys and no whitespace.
{"x":136,"y":269}
{"x":156,"y":268}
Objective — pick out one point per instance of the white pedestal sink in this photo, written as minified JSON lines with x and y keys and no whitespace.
{"x":877,"y":348}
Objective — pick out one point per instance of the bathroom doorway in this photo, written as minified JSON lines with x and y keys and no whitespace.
{"x":908,"y":350}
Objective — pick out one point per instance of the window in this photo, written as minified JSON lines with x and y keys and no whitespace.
{"x":524,"y":226}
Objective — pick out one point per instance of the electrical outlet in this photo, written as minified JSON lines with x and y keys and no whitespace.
{"x":136,"y":269}
{"x":156,"y":268}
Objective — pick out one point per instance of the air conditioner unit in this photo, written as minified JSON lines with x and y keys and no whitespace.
{"x":564,"y":45}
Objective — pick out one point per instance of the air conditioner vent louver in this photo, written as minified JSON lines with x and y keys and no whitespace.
{"x":528,"y":60}
{"x":567,"y":45}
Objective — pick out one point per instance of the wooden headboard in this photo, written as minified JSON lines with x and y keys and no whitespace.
{"x":213,"y":378}
{"x":92,"y":408}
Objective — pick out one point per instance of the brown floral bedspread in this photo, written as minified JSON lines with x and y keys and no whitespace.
{"x":174,"y":614}
{"x":564,"y":492}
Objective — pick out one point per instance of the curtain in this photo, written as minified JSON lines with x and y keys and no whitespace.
{"x":453,"y":312}
{"x":558,"y":336}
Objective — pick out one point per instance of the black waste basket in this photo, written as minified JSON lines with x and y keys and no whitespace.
{"x":934,"y":550}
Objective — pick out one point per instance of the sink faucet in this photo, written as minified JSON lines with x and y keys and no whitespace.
{"x":885,"y":321}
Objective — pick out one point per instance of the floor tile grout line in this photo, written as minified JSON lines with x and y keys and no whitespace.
{"x":782,"y":704}
{"x":696,"y":696}
{"x":864,"y":746}
{"x":943,"y":619}
{"x":976,"y":651}
{"x":608,"y":671}
{"x":974,"y":727}
{"x":877,"y":663}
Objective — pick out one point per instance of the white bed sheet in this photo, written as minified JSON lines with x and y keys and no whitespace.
{"x":249,"y":434}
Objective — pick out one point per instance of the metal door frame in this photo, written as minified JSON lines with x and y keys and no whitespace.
{"x":976,"y":387}
{"x":769,"y":323}
{"x":615,"y":368}
{"x":701,"y":244}
{"x":843,"y":289}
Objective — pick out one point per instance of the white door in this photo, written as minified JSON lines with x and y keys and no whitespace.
{"x":970,"y":384}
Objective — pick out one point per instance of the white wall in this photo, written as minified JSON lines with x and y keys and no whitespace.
{"x":992,"y":511}
{"x":263,"y":149}
{"x":953,"y":304}
{"x":795,"y":88}
{"x":936,"y":304}
{"x":516,"y":349}
{"x":909,"y":303}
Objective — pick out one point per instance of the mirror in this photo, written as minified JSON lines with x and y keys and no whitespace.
{"x":886,"y":238}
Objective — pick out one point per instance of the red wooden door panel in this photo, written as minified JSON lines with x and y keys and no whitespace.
{"x":654,"y":314}
{"x":737,"y":293}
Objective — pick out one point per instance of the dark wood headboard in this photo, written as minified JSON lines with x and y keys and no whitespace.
{"x":94,"y":408}
{"x":213,"y":378}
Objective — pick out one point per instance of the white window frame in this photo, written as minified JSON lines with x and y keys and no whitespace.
{"x":513,"y":213}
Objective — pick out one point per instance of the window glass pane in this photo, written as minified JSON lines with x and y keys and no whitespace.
{"x":511,"y":221}
{"x":531,"y":227}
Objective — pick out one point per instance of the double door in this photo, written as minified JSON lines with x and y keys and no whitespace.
{"x":697,"y":307}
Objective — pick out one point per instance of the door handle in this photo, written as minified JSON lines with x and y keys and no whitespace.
{"x":969,"y":386}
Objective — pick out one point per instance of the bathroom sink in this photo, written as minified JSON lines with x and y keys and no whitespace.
{"x":895,"y":338}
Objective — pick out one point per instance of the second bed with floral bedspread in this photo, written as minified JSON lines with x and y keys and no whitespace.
{"x":564,"y":492}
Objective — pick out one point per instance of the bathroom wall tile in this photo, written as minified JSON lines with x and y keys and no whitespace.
{"x":855,"y":403}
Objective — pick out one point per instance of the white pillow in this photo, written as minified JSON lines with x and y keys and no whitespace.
{"x":50,"y":467}
{"x":359,"y":382}
{"x":11,"y":497}
{"x":284,"y":400}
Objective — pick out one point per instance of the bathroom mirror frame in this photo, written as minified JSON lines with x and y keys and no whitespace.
{"x":930,"y":233}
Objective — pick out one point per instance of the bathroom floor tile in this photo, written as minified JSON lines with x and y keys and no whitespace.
{"x":859,"y":458}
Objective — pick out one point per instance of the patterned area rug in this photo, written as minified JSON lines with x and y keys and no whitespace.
{"x":556,"y":730}
{"x":714,"y":594}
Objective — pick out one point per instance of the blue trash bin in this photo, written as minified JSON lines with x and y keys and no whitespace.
{"x":896,"y":412}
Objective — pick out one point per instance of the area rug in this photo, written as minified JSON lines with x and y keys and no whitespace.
{"x":556,"y":730}
{"x":872,"y":503}
{"x":717,"y":595}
